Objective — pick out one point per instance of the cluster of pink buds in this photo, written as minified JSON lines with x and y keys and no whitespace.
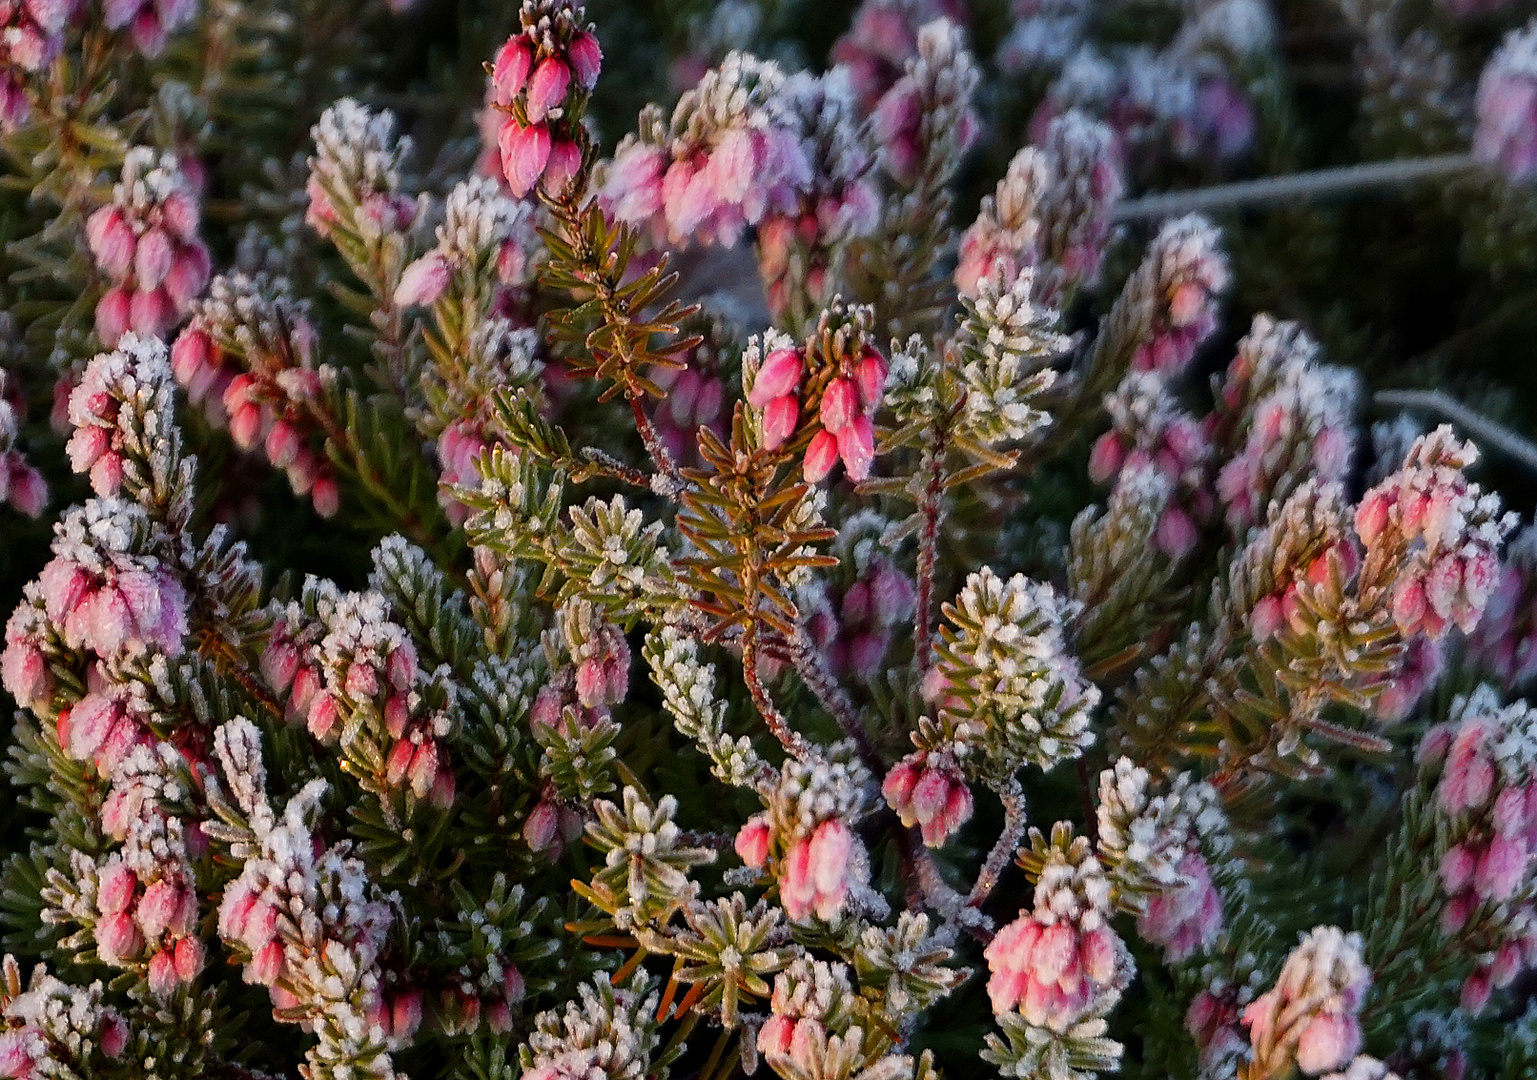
{"x":926,"y":118}
{"x":927,"y":789}
{"x":1061,"y":962}
{"x":1309,"y":1018}
{"x":806,"y":837}
{"x":1214,"y":1021}
{"x":145,"y":241}
{"x":552,"y":825}
{"x":1149,"y":431}
{"x":52,"y":1028}
{"x":484,"y":235}
{"x":1506,"y":133}
{"x":31,"y":38}
{"x":853,"y":626}
{"x":354,"y":180}
{"x":1285,"y":609}
{"x":732,"y":153}
{"x":157,"y":917}
{"x":149,"y":22}
{"x":1488,"y":792}
{"x":105,"y":725}
{"x":1449,"y":577}
{"x":353,"y":662}
{"x":1505,"y":640}
{"x":882,"y":39}
{"x":1417,"y":672}
{"x":490,"y":999}
{"x":848,"y":401}
{"x":1186,"y":272}
{"x":247,"y":357}
{"x":696,"y":398}
{"x":110,"y":601}
{"x":460,"y":445}
{"x":807,"y":998}
{"x":1186,"y":917}
{"x":800,"y":249}
{"x":398,"y":1014}
{"x":540,"y":79}
{"x":20,"y":483}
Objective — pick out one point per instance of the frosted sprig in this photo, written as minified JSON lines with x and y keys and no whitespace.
{"x":1010,"y":688}
{"x":1309,"y":1018}
{"x":689,"y":694}
{"x":1176,"y":289}
{"x":647,"y":860}
{"x":925,"y":123}
{"x":1008,"y":342}
{"x":609,"y":1034}
{"x":355,"y":175}
{"x":53,"y":1028}
{"x":728,"y":949}
{"x":909,"y":965}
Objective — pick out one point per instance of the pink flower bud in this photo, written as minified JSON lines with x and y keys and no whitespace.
{"x":821,"y":456}
{"x":423,"y":281}
{"x":565,"y":162}
{"x":111,"y":241}
{"x":162,"y":974}
{"x":870,"y":377}
{"x":113,"y":315}
{"x":325,"y":496}
{"x":282,"y":444}
{"x":509,"y":74}
{"x":152,"y":258}
{"x":266,"y":965}
{"x":29,"y":491}
{"x":112,"y":1038}
{"x":117,"y":938}
{"x":541,"y":830}
{"x":752,"y":841}
{"x":322,"y":715}
{"x":115,"y":889}
{"x":160,"y":904}
{"x":839,"y":405}
{"x":406,"y":1014}
{"x":586,"y":60}
{"x":1328,"y":1042}
{"x":424,"y":768}
{"x":856,"y":445}
{"x":1457,"y":867}
{"x":547,"y":88}
{"x":524,"y":153}
{"x":779,"y":418}
{"x":188,"y":958}
{"x":779,"y":375}
{"x":150,"y":312}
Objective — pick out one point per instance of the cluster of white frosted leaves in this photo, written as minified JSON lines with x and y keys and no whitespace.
{"x":499,"y":354}
{"x":825,"y":786}
{"x":1012,"y":345}
{"x":842,"y":158}
{"x":610,"y":1033}
{"x":946,"y":76}
{"x":60,"y":1025}
{"x":1145,"y":836}
{"x":1510,"y":740}
{"x":647,"y":858}
{"x":688,"y":692}
{"x":620,"y":552}
{"x":908,"y":964}
{"x":331,"y":925}
{"x":1013,"y":689}
{"x":1142,"y":408}
{"x":479,"y":217}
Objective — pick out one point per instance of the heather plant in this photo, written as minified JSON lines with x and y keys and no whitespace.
{"x":858,"y":542}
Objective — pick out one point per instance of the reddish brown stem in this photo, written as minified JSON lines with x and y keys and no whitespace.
{"x":788,"y":737}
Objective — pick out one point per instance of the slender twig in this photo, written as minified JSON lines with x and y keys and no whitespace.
{"x":1003,"y":849}
{"x":1322,"y":183}
{"x":1486,"y":431}
{"x":792,"y":740}
{"x":833,"y":697}
{"x":928,"y":559}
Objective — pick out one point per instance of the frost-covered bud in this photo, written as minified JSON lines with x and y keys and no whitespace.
{"x":149,"y":22}
{"x":1187,"y":917}
{"x":927,"y":790}
{"x":925,"y":121}
{"x":354,"y":180}
{"x":1183,"y":274}
{"x":532,"y":81}
{"x":1310,"y":1017}
{"x":1506,"y":133}
{"x":815,"y":877}
{"x":752,"y":841}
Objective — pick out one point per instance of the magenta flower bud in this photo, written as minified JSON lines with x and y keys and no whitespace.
{"x":424,"y":768}
{"x":282,"y":444}
{"x":821,"y":456}
{"x":779,"y":375}
{"x":86,"y":446}
{"x":326,"y":497}
{"x":150,"y":312}
{"x":396,"y":715}
{"x":362,"y":680}
{"x":779,"y":418}
{"x":871,"y":379}
{"x":856,"y":445}
{"x":158,"y":907}
{"x":586,"y":60}
{"x":322,"y":715}
{"x":113,"y":315}
{"x":524,"y":153}
{"x":112,"y":1037}
{"x":111,"y":241}
{"x":117,"y":938}
{"x":115,"y":889}
{"x":279,"y":664}
{"x":24,"y":672}
{"x":541,"y":830}
{"x":509,"y":73}
{"x":752,"y":841}
{"x":406,"y":1014}
{"x":29,"y":491}
{"x":423,"y":281}
{"x":400,"y":668}
{"x":187,"y":276}
{"x":266,"y":965}
{"x":774,"y":1037}
{"x":547,"y":88}
{"x":839,"y":405}
{"x":565,"y":162}
{"x":152,"y":258}
{"x":1177,"y":534}
{"x":1328,"y":1042}
{"x":398,"y":763}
